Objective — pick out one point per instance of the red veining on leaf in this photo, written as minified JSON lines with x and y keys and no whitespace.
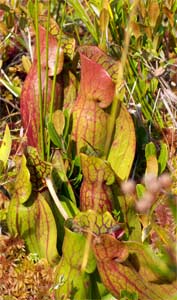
{"x":29,"y":101}
{"x":96,"y":92}
{"x":95,"y":192}
{"x":117,"y":272}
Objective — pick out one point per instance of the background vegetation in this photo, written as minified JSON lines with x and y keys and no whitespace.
{"x":88,"y":166}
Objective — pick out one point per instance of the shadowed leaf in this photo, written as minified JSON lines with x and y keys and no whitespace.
{"x":39,"y":169}
{"x":102,"y":223}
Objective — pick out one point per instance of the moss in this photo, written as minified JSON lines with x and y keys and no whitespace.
{"x":21,"y":277}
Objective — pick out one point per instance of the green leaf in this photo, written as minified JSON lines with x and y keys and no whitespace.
{"x":30,"y":216}
{"x":154,"y":267}
{"x":122,"y":151}
{"x":35,"y":223}
{"x":75,"y":283}
{"x":140,"y":189}
{"x":30,"y":7}
{"x":22,"y":191}
{"x":22,"y":184}
{"x":150,"y":150}
{"x":100,"y":223}
{"x":134,"y":224}
{"x":82,"y":13}
{"x":38,"y":228}
{"x":38,"y":168}
{"x":55,"y":138}
{"x":126,"y":295}
{"x":104,"y":22}
{"x":172,"y":205}
{"x":5,"y":146}
{"x":15,"y":90}
{"x":163,"y":157}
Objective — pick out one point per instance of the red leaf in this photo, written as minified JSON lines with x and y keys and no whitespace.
{"x":29,"y":101}
{"x":96,"y":92}
{"x":96,"y":84}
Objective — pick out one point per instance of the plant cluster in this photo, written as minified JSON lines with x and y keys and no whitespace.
{"x":83,"y":170}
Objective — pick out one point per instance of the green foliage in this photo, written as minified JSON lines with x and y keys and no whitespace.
{"x":5,"y":148}
{"x":163,"y":157}
{"x":125,"y":295}
{"x":94,"y":117}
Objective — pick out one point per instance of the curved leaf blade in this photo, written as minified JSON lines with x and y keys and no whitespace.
{"x":122,"y":152}
{"x":5,"y":146}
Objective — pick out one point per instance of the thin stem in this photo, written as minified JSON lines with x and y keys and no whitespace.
{"x":56,"y":199}
{"x":47,"y":57}
{"x":54,"y":80}
{"x":39,"y":81}
{"x":116,"y":100}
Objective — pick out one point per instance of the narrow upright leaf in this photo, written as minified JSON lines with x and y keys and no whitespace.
{"x":5,"y":147}
{"x":163,"y":157}
{"x":122,"y":151}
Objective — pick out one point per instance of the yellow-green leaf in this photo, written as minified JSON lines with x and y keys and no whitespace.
{"x":122,"y":151}
{"x":71,"y":281}
{"x":58,"y":120}
{"x":5,"y":146}
{"x":22,"y":184}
